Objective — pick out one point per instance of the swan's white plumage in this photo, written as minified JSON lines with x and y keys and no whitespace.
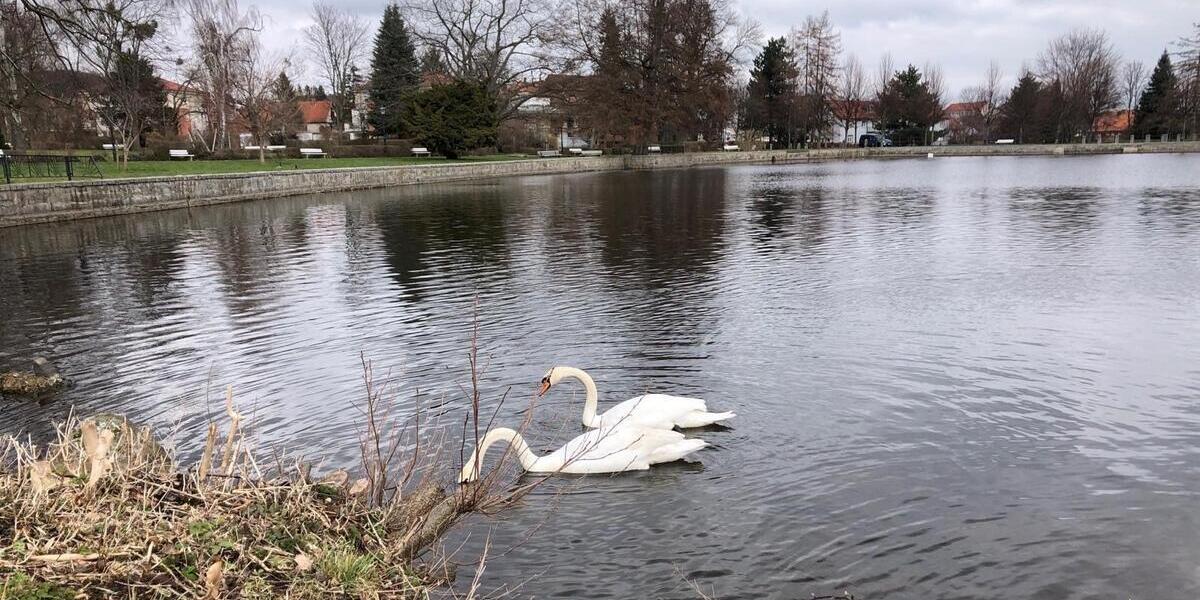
{"x":606,"y":450}
{"x":658,"y":411}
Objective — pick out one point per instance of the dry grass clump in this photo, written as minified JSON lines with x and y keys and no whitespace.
{"x":104,"y":511}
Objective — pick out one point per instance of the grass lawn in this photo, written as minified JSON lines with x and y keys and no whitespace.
{"x":155,"y":168}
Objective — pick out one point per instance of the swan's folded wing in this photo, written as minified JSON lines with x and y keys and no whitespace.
{"x":658,"y":411}
{"x":612,"y":462}
{"x":681,"y":403}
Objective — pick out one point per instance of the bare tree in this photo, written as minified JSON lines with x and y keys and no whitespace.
{"x":104,"y":38}
{"x":660,"y":69}
{"x":935,"y":82}
{"x":1133,"y":79}
{"x":130,"y":101}
{"x":985,"y":101}
{"x":884,"y":72}
{"x":259,"y":107}
{"x":91,"y":33}
{"x":224,"y":38}
{"x":338,"y":41}
{"x":25,"y":51}
{"x":1189,"y":80}
{"x":817,"y":47}
{"x":853,"y":95}
{"x":491,"y":43}
{"x":1084,"y":64}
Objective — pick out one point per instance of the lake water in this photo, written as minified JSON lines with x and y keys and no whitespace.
{"x":954,"y":378}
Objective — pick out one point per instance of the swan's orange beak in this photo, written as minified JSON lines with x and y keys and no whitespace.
{"x":543,"y":387}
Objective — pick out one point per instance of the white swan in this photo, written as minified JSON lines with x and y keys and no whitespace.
{"x":611,"y":450}
{"x":658,"y":411}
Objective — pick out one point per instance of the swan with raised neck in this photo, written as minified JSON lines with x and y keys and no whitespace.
{"x":590,"y":401}
{"x":658,"y":411}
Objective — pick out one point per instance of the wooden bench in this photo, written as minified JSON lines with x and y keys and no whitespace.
{"x":1006,"y":141}
{"x":276,"y":148}
{"x":250,"y":148}
{"x":180,"y":154}
{"x":421,"y":152}
{"x":730,"y":148}
{"x":654,"y":149}
{"x":312,"y":152}
{"x":591,"y":152}
{"x":548,"y":153}
{"x":108,"y":146}
{"x":575,"y":151}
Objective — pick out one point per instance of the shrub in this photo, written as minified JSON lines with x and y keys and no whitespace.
{"x":451,"y":119}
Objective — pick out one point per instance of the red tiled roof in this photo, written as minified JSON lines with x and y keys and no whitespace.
{"x":1113,"y":121}
{"x":959,"y":107}
{"x":169,"y":85}
{"x":315,"y":111}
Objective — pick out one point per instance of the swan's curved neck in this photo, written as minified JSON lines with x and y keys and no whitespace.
{"x":589,"y":403}
{"x":526,"y":456}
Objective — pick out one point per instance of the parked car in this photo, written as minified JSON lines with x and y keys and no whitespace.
{"x":873,"y":140}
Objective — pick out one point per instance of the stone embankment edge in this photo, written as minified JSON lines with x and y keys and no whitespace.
{"x":22,"y":204}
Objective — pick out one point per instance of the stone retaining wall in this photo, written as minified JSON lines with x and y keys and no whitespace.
{"x":43,"y":202}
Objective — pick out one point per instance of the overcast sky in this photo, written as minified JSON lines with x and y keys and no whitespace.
{"x":961,"y":35}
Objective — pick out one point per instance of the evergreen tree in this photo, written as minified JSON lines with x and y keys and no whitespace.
{"x":431,"y":62}
{"x":771,"y":90}
{"x":451,"y":119}
{"x":395,"y":74}
{"x":319,"y":93}
{"x":286,"y":110}
{"x":284,"y":90}
{"x":906,"y":106}
{"x":1019,"y":114}
{"x":1156,"y":113}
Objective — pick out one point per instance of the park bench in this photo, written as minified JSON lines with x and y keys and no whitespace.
{"x":419,"y":151}
{"x":271,"y":149}
{"x":592,"y":152}
{"x":575,"y":151}
{"x":180,"y":154}
{"x":108,"y":146}
{"x":1006,"y":141}
{"x":548,"y":153}
{"x":654,"y":149}
{"x":312,"y":152}
{"x":730,"y":148}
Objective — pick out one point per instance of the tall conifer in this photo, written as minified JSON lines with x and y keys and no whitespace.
{"x":1156,"y":112}
{"x":395,"y":74}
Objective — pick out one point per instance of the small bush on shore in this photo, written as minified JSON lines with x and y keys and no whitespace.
{"x":104,"y":511}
